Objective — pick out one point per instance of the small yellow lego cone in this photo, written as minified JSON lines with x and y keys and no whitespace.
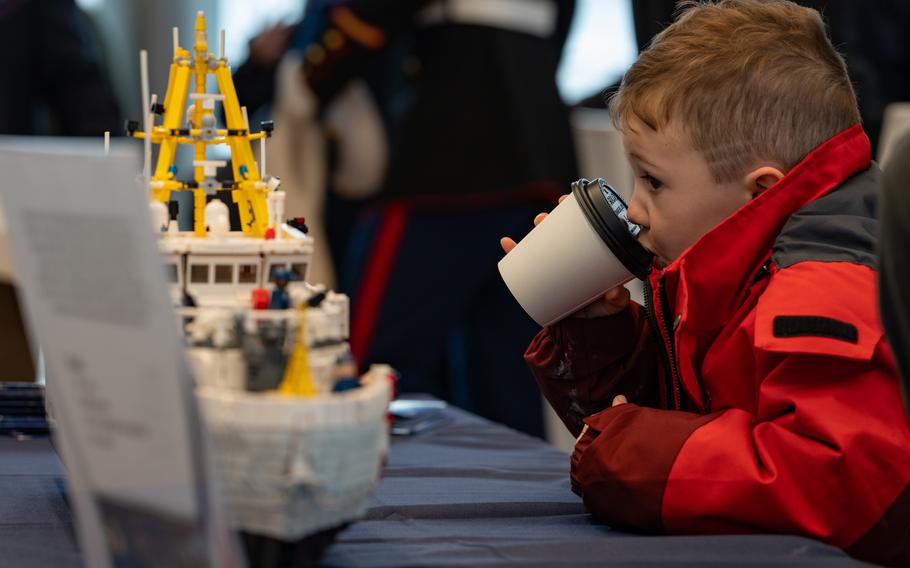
{"x":298,"y":381}
{"x":201,"y":39}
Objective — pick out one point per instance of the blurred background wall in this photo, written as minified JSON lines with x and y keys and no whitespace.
{"x":125,"y":27}
{"x":600,"y":47}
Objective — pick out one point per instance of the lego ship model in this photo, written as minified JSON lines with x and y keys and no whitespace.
{"x":298,"y":437}
{"x":226,"y":267}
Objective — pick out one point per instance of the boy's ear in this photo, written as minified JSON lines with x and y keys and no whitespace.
{"x":760,"y":179}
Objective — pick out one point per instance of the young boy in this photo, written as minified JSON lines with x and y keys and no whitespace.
{"x":754,"y":391}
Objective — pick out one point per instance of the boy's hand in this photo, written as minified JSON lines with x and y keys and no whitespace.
{"x":614,"y":301}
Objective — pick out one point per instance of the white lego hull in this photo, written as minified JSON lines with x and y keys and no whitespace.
{"x":215,"y":368}
{"x":291,"y":467}
{"x":326,"y":330}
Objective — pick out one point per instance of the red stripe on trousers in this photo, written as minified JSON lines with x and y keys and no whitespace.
{"x":376,"y":278}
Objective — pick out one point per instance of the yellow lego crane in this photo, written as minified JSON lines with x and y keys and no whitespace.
{"x":196,"y":127}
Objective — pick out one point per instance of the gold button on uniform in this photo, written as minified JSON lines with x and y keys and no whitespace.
{"x":333,"y":39}
{"x":315,"y":54}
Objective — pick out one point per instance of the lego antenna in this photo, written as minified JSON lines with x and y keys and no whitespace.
{"x":149,"y":124}
{"x":175,"y":34}
{"x":262,"y":155}
{"x":144,"y":77}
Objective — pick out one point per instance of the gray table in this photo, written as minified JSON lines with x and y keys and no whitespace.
{"x":468,"y":493}
{"x":36,"y":526}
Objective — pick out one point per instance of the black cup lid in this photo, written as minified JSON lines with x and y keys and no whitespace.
{"x":606,"y":212}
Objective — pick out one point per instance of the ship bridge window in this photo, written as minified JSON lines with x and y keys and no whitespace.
{"x":247,"y":273}
{"x":199,"y":273}
{"x":224,"y":273}
{"x":299,"y":268}
{"x":170,"y":272}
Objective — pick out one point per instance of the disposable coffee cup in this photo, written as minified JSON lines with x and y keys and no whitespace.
{"x":584,"y":247}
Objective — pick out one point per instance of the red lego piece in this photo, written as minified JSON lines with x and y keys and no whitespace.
{"x":260,"y":299}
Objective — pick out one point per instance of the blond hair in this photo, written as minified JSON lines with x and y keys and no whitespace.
{"x":748,"y":81}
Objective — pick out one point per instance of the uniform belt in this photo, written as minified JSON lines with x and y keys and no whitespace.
{"x":533,"y":17}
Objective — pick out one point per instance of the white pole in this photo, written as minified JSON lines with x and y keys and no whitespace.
{"x":144,"y":78}
{"x":221,"y":51}
{"x":246,"y":120}
{"x":175,"y":35}
{"x":262,"y":156}
{"x":279,"y":207}
{"x":107,"y":142}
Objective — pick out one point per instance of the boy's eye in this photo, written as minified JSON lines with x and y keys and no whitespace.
{"x":653,"y":182}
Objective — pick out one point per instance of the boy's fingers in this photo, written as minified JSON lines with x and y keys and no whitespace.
{"x":619,"y":399}
{"x":563,"y":198}
{"x":539,"y":218}
{"x":618,"y":295}
{"x":507,"y":244}
{"x":582,"y":435}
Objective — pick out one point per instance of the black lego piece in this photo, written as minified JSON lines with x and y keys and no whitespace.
{"x":299,"y":223}
{"x":173,"y":209}
{"x":316,"y":299}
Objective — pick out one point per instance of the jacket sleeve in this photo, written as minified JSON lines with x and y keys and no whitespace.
{"x":581,"y":364}
{"x":825,"y":453}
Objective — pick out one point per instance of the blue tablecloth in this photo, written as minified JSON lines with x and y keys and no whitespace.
{"x":467,"y":493}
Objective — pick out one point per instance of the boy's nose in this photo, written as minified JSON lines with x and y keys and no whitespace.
{"x":637,"y":213}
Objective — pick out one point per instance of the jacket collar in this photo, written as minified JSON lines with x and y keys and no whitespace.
{"x":710,"y":279}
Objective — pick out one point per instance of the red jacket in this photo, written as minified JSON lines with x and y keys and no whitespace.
{"x":763,"y":397}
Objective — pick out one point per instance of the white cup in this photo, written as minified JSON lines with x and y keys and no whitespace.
{"x":583,"y":248}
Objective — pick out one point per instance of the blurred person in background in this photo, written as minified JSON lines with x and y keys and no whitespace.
{"x":331,"y":161}
{"x":53,"y":78}
{"x":478,"y":141}
{"x":53,"y":84}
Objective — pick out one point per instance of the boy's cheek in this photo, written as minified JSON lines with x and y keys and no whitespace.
{"x":670,"y":241}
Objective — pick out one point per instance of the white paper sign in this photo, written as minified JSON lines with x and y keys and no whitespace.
{"x":95,"y":293}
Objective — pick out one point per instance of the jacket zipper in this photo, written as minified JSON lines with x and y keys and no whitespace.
{"x":668,"y":355}
{"x":765,"y":270}
{"x":669,"y":332}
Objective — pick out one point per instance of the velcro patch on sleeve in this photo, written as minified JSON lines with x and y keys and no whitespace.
{"x":815,"y":326}
{"x":820,"y":308}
